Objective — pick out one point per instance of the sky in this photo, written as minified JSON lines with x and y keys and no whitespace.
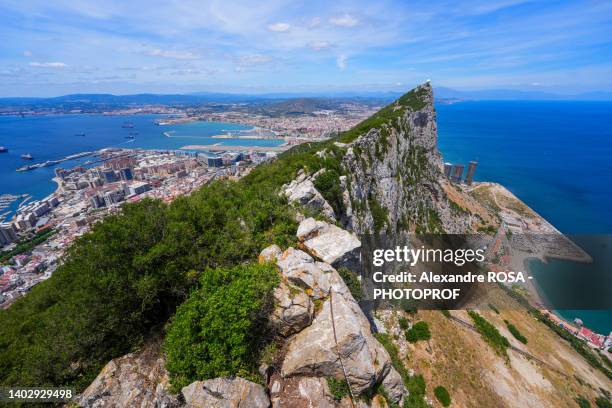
{"x":58,"y":47}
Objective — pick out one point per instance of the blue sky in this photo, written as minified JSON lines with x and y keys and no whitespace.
{"x":66,"y":46}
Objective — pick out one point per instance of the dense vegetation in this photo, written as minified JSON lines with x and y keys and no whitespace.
{"x":221,"y":328}
{"x":122,"y":280}
{"x":419,"y":331}
{"x":490,"y":333}
{"x":515,"y":332}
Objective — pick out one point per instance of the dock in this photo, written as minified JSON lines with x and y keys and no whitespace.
{"x":224,"y":148}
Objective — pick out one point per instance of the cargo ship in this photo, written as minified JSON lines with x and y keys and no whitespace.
{"x":3,"y":149}
{"x":27,"y":156}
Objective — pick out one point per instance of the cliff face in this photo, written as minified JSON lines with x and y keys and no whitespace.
{"x":394,"y":171}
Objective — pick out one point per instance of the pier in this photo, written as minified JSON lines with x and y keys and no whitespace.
{"x":224,"y":148}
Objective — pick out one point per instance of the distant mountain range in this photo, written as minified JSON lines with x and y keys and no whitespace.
{"x":101,"y":100}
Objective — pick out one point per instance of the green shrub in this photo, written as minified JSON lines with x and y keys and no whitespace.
{"x":490,"y":333}
{"x":515,"y":332}
{"x":328,"y":184}
{"x":416,"y":385}
{"x":583,"y":402}
{"x":352,"y":282}
{"x":338,"y":388}
{"x":403,"y":323}
{"x":446,"y":313}
{"x":380,"y":214}
{"x":419,"y":331}
{"x":493,"y":308}
{"x":442,"y":395}
{"x":393,"y":351}
{"x":222,"y":326}
{"x":603,"y":402}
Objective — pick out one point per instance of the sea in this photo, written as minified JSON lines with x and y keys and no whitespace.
{"x":555,"y":156}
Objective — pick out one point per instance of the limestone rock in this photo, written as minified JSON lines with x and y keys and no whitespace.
{"x":312,"y":352}
{"x":303,"y":191}
{"x":270,"y":254}
{"x":394,"y":385}
{"x":300,"y":392}
{"x":225,"y":393}
{"x":293,"y":309}
{"x":395,"y":171}
{"x":329,"y":243}
{"x":301,"y":270}
{"x":134,"y":380}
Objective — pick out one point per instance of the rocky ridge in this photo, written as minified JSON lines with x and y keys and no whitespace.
{"x":311,"y":352}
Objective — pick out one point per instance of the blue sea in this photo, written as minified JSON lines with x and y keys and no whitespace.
{"x":57,"y":136}
{"x":555,"y":156}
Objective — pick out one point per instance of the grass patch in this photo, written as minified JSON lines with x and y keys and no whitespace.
{"x":338,"y":388}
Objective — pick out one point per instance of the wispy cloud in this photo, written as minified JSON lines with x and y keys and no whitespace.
{"x":279,"y":27}
{"x":174,"y":54}
{"x":48,"y":64}
{"x":319,"y":45}
{"x":341,"y":61}
{"x":345,"y":20}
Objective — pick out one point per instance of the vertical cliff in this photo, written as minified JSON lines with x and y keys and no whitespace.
{"x":394,"y":171}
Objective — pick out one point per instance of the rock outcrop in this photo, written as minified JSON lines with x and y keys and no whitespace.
{"x":302,"y":191}
{"x":301,"y":392}
{"x":329,"y":243}
{"x":293,"y":309}
{"x":394,"y":172}
{"x":225,"y":393}
{"x":315,"y":353}
{"x":134,"y":380}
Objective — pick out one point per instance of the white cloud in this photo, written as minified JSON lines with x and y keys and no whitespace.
{"x":182,"y":55}
{"x":341,"y":61}
{"x":27,"y":53}
{"x":345,"y":20}
{"x":249,"y":61}
{"x":48,"y":64}
{"x":319,"y":45}
{"x":314,"y":22}
{"x":279,"y":27}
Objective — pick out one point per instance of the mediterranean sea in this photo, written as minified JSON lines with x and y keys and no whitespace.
{"x":556,"y":156}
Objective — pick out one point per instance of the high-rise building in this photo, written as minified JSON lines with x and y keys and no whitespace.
{"x":469,"y":178}
{"x":215,"y":162}
{"x":7,"y":233}
{"x":126,"y":174}
{"x":97,"y":201}
{"x":110,"y":176}
{"x":457,"y":173}
{"x":447,"y":169}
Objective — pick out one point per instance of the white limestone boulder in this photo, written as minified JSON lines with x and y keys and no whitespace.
{"x":225,"y":393}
